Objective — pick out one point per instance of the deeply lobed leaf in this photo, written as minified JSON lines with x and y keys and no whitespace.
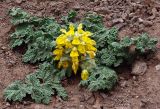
{"x":41,"y":85}
{"x":39,"y":35}
{"x":101,"y":78}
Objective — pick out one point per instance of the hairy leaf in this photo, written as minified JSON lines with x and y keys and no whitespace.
{"x":101,"y":78}
{"x":39,"y":35}
{"x":93,"y":22}
{"x":16,"y":91}
{"x":70,"y":17}
{"x":144,"y":43}
{"x":41,"y":85}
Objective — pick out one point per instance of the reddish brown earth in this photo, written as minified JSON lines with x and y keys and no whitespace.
{"x":130,"y":16}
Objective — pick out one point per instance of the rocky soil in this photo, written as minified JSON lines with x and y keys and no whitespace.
{"x":138,"y":86}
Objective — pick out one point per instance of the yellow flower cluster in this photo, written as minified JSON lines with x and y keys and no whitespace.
{"x":74,"y":46}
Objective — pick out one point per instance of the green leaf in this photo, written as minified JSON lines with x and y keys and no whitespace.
{"x":126,"y":42}
{"x":101,"y":78}
{"x":70,"y":17}
{"x":41,"y":91}
{"x":16,"y":43}
{"x":18,"y":16}
{"x":105,"y":37}
{"x":92,"y":22}
{"x":144,"y":43}
{"x":16,"y":91}
{"x":41,"y":50}
{"x":106,"y":57}
{"x":61,"y":92}
{"x":41,"y":85}
{"x":39,"y":36}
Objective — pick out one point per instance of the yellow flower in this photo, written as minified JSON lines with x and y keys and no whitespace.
{"x":81,"y":49}
{"x":71,"y":27}
{"x":71,"y":30}
{"x":80,"y":31}
{"x":75,"y":59}
{"x":74,"y":45}
{"x":58,"y":52}
{"x":88,"y":40}
{"x":90,"y":48}
{"x":74,"y":52}
{"x":75,"y":64}
{"x":92,"y":42}
{"x":91,"y":54}
{"x":58,"y":57}
{"x":61,"y":40}
{"x":87,"y":33}
{"x":84,"y":75}
{"x":75,"y":67}
{"x":68,"y":44}
{"x":63,"y":30}
{"x":76,"y":41}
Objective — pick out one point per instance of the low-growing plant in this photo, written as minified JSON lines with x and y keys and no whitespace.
{"x":61,"y":49}
{"x":40,"y":85}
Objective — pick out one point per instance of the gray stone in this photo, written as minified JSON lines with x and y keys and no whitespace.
{"x":123,"y":84}
{"x":148,"y":23}
{"x":157,"y":67}
{"x":3,"y":48}
{"x":139,"y":68}
{"x":19,"y":1}
{"x":118,"y":20}
{"x":91,"y":100}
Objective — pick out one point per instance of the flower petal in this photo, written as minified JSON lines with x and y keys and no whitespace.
{"x":81,"y":49}
{"x":63,"y":30}
{"x":74,"y":54}
{"x":60,"y":40}
{"x":58,"y":51}
{"x":91,"y":54}
{"x":90,"y":48}
{"x":71,"y":30}
{"x":58,"y":57}
{"x":87,"y":33}
{"x":76,"y":41}
{"x":80,"y":26}
{"x":75,"y":67}
{"x":84,"y":75}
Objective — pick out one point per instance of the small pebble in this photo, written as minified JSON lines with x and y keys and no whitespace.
{"x":157,"y":67}
{"x":121,"y":78}
{"x":7,"y":104}
{"x":91,"y":100}
{"x":3,"y":48}
{"x":81,"y":107}
{"x":134,"y":78}
{"x":139,"y":68}
{"x":103,"y":95}
{"x":118,"y":20}
{"x":148,"y":23}
{"x":140,"y":20}
{"x":123,"y":84}
{"x":18,"y":1}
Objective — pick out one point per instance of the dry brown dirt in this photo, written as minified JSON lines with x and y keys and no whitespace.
{"x":130,"y":16}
